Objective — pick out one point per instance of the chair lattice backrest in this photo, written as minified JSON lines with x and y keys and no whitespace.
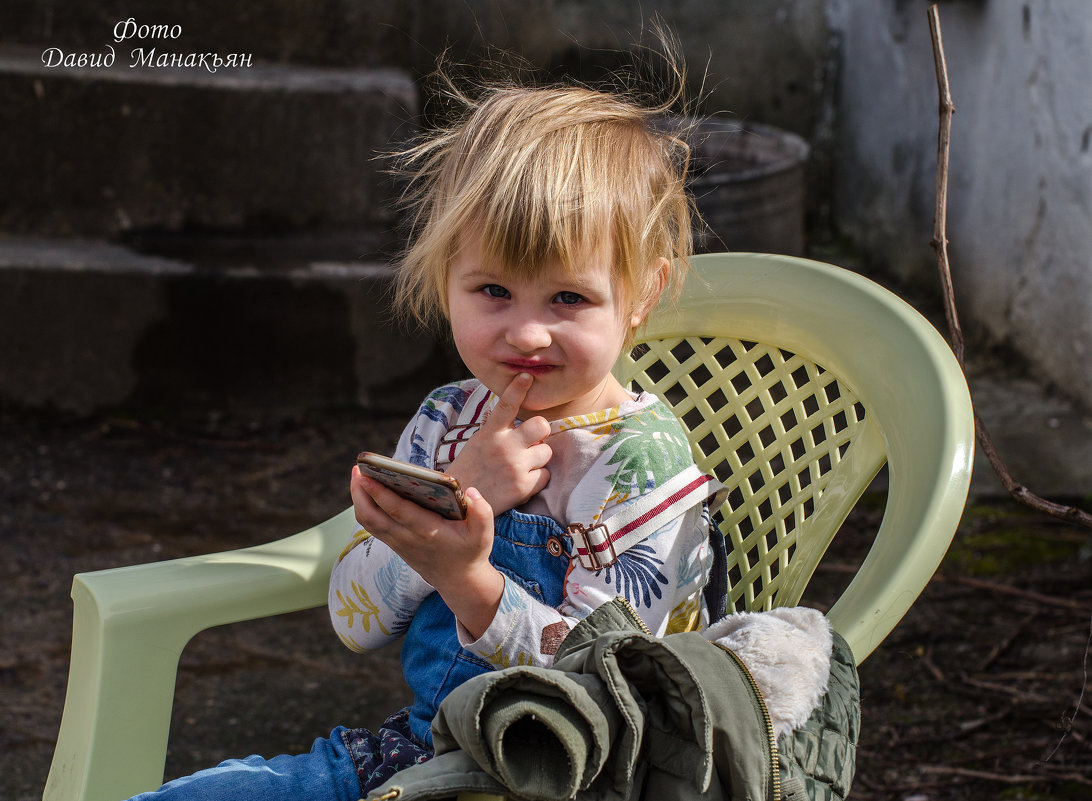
{"x":797,"y":382}
{"x":772,"y":426}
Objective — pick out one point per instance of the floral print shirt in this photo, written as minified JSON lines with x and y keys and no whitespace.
{"x":600,"y":462}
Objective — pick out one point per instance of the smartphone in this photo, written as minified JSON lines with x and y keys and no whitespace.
{"x":431,"y":489}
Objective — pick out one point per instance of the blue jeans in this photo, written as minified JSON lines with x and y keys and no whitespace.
{"x":325,"y":774}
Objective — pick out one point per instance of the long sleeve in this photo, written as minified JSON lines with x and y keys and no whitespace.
{"x":373,"y":594}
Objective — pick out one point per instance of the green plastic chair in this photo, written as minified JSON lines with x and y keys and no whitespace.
{"x":797,"y":382}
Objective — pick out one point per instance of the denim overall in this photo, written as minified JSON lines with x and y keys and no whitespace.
{"x":433,"y":662}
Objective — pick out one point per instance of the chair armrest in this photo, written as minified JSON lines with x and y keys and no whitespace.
{"x":113,"y":736}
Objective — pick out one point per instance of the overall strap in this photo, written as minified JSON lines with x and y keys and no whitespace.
{"x":466,"y":425}
{"x":598,"y":546}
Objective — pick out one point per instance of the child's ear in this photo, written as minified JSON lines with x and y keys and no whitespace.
{"x":662,"y":272}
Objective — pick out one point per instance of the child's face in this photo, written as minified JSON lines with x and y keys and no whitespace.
{"x":566,"y":332}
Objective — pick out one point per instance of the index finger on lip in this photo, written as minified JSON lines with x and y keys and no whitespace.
{"x":507,"y":409}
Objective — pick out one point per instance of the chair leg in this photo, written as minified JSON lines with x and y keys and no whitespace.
{"x":113,"y":737}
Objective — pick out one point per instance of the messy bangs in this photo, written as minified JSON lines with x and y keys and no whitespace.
{"x":542,"y":177}
{"x":546,"y":194}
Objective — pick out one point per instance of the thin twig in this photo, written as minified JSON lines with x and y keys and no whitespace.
{"x":940,"y":243}
{"x":940,"y":224}
{"x":1067,"y":722}
{"x":931,"y":666}
{"x":1007,"y":589}
{"x":1006,"y":689}
{"x":972,"y":726}
{"x":1002,"y":778}
{"x":1006,"y":643}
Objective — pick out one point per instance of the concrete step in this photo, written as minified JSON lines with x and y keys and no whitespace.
{"x":267,"y":149}
{"x":87,"y":326}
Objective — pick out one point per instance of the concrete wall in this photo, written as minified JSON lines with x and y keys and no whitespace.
{"x":1020,"y":189}
{"x":760,"y":61}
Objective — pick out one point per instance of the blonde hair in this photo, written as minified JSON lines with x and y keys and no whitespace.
{"x":546,"y":175}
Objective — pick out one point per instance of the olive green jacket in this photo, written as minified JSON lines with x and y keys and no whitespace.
{"x":626,"y":716}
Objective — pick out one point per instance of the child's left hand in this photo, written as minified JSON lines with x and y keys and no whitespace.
{"x":451,"y":555}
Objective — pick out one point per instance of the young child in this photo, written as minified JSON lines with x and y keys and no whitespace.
{"x":548,"y":223}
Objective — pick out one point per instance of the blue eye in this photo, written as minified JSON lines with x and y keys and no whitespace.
{"x":495,"y":291}
{"x":568,"y":298}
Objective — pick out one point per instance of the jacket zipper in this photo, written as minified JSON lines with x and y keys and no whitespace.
{"x":771,"y":740}
{"x":775,"y":774}
{"x":627,"y":608}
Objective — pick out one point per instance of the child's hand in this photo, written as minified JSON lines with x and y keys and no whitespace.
{"x":506,"y":463}
{"x":451,"y":555}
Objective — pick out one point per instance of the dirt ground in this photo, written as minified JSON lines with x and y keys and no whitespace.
{"x":974,"y":696}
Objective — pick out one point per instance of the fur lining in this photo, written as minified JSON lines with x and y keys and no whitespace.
{"x":787,"y":650}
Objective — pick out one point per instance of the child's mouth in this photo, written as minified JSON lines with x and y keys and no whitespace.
{"x":532,"y":367}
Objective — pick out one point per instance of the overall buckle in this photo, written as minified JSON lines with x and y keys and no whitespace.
{"x":594,"y":559}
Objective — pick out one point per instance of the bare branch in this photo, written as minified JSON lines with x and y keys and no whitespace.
{"x":940,"y":236}
{"x":1068,"y":721}
{"x":1002,"y":778}
{"x":1017,"y":592}
{"x":940,"y":243}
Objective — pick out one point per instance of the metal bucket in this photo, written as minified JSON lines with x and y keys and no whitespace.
{"x":748,"y":185}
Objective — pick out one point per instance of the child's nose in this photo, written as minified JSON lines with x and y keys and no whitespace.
{"x":528,"y":335}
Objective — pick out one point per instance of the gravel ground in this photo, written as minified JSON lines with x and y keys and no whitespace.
{"x":967,"y":699}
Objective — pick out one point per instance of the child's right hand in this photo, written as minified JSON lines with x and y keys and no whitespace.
{"x":506,"y":463}
{"x":451,"y":555}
